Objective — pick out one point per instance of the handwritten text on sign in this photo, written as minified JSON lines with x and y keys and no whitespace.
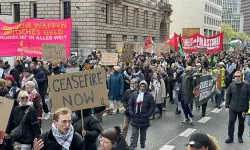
{"x":5,"y":110}
{"x":79,"y":90}
{"x":53,"y":52}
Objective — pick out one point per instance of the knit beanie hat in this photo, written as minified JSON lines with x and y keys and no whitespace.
{"x":10,"y":78}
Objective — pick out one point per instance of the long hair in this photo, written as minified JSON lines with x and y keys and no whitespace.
{"x":214,"y":144}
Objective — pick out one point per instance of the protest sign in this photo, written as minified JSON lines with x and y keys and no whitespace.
{"x":109,"y":59}
{"x":80,"y":90}
{"x":213,"y":44}
{"x":53,"y":52}
{"x":162,"y":48}
{"x":26,"y":37}
{"x":127,"y":52}
{"x":72,"y":70}
{"x":5,"y":111}
{"x":205,"y":90}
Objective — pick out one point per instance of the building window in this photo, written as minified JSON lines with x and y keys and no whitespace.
{"x":33,"y":10}
{"x":124,"y":37}
{"x":145,"y":23}
{"x":125,"y":15}
{"x":154,"y":21}
{"x":16,"y":12}
{"x":136,"y":15}
{"x":108,"y":41}
{"x":108,"y":13}
{"x":65,"y":9}
{"x":136,"y":38}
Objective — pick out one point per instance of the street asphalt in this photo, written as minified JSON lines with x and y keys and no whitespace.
{"x":168,"y":132}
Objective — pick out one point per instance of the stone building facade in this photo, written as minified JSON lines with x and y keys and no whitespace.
{"x":99,"y":24}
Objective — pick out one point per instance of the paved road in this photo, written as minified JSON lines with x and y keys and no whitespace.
{"x":168,"y":133}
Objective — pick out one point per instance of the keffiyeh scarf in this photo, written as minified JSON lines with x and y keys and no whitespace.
{"x":63,"y":139}
{"x":139,"y":101}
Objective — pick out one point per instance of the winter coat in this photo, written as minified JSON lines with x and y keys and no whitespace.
{"x":141,"y":120}
{"x":15,"y":72}
{"x":41,"y":81}
{"x":161,"y":94}
{"x":115,"y":86}
{"x":126,"y":78}
{"x":38,"y":105}
{"x":92,"y":127}
{"x":187,"y":87}
{"x":50,"y":142}
{"x":121,"y":145}
{"x":246,"y":76}
{"x":31,"y":128}
{"x":138,"y":75}
{"x":238,"y":96}
{"x":125,"y":100}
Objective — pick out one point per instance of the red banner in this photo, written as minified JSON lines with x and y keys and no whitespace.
{"x":213,"y":44}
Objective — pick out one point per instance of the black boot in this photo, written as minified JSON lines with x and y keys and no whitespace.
{"x":177,"y":112}
{"x":229,"y":140}
{"x":240,"y":139}
{"x":117,"y":111}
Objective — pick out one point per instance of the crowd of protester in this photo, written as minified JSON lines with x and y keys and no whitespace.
{"x":142,"y":86}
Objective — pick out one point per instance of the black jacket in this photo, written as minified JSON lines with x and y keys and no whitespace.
{"x":238,"y":96}
{"x":141,"y":120}
{"x":15,"y":73}
{"x":121,"y":145}
{"x":50,"y":142}
{"x":41,"y":80}
{"x":125,"y":100}
{"x":31,"y":128}
{"x":92,"y":127}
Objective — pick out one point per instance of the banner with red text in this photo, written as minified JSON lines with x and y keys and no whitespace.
{"x":213,"y":44}
{"x":26,"y":38}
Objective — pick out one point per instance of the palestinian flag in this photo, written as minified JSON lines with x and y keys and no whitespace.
{"x":166,"y":41}
{"x":235,"y":43}
{"x":172,"y":43}
{"x":148,"y":43}
{"x":180,"y":49}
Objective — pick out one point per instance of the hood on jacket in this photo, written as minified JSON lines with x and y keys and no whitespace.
{"x":121,"y":145}
{"x":144,"y":82}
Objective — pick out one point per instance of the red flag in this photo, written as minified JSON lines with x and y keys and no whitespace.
{"x":173,"y":43}
{"x":148,"y":43}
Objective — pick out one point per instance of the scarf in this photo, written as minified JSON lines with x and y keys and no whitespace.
{"x":139,"y":101}
{"x":63,"y":139}
{"x":32,"y":95}
{"x":127,"y":75}
{"x":157,"y":86}
{"x":27,"y":79}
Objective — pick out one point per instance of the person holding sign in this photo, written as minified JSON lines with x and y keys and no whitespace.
{"x":62,"y":134}
{"x":91,"y":130}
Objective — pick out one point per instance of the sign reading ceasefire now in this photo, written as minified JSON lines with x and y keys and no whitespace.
{"x":80,"y":90}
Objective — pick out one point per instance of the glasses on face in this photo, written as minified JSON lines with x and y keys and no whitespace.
{"x":25,"y":97}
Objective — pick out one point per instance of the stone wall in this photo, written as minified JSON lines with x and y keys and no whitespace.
{"x":89,"y":20}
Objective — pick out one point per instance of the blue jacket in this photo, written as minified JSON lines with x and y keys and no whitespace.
{"x":247,"y":76}
{"x":115,"y":86}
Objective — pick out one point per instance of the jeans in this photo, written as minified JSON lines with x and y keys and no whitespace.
{"x":186,"y":108}
{"x":232,"y":119}
{"x":218,"y":99}
{"x":135,"y":135}
{"x":175,"y":97}
{"x":125,"y":126}
{"x":115,"y":104}
{"x":159,"y":106}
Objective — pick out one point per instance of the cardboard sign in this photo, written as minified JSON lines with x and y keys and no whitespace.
{"x":162,"y":48}
{"x":5,"y":111}
{"x":72,"y":70}
{"x":127,"y":52}
{"x":109,"y":59}
{"x":53,"y":52}
{"x":202,"y":50}
{"x":80,"y":90}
